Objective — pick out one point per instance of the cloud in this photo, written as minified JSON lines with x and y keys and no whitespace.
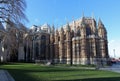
{"x":111,"y":42}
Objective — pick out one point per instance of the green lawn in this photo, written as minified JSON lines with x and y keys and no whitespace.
{"x":33,"y":72}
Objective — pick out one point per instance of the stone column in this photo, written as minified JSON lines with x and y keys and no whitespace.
{"x":33,"y":55}
{"x":74,"y":50}
{"x":21,"y":52}
{"x":3,"y":54}
{"x":69,"y":52}
{"x":39,"y":48}
{"x":103,"y":50}
{"x":77,"y":50}
{"x":1,"y":57}
{"x":27,"y":51}
{"x":47,"y":49}
{"x":83,"y":51}
{"x":56,"y":47}
{"x":61,"y":51}
{"x":51,"y":53}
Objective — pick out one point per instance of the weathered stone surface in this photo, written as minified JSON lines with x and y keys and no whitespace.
{"x":78,"y":42}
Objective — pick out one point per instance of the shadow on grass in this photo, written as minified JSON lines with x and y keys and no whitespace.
{"x":22,"y":75}
{"x":25,"y":73}
{"x":95,"y":79}
{"x":12,"y":63}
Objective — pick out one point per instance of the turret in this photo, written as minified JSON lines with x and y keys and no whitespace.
{"x":56,"y":47}
{"x":52,"y":45}
{"x":100,"y":24}
{"x":102,"y":33}
{"x":83,"y":29}
{"x":74,"y":29}
{"x":93,"y":28}
{"x":68,"y":44}
{"x":101,"y":30}
{"x":61,"y":34}
{"x":52,"y":35}
{"x":56,"y":36}
{"x":67,"y":28}
{"x":53,"y":29}
{"x":68,"y":32}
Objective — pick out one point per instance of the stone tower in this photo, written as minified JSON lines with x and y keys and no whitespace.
{"x":103,"y":43}
{"x":68,"y":44}
{"x":52,"y":40}
{"x":56,"y":47}
{"x":83,"y":42}
{"x":61,"y":46}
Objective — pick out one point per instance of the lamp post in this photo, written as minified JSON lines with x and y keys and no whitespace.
{"x":114,"y":53}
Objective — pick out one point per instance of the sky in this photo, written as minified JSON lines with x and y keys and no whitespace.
{"x":58,"y":12}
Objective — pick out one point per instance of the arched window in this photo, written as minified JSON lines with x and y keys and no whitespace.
{"x":88,"y":31}
{"x":37,"y":50}
{"x":78,"y":32}
{"x":36,"y":37}
{"x":43,"y":47}
{"x":43,"y":37}
{"x":72,"y":34}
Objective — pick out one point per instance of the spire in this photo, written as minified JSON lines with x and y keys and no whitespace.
{"x":49,"y":30}
{"x":83,"y":14}
{"x":92,"y":15}
{"x":56,"y":32}
{"x":68,"y":27}
{"x":100,"y":23}
{"x":82,"y":22}
{"x":74,"y":26}
{"x":53,"y":29}
{"x":82,"y":19}
{"x":101,"y":29}
{"x":61,"y":30}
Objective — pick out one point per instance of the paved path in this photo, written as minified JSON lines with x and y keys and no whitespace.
{"x":5,"y":76}
{"x":114,"y":68}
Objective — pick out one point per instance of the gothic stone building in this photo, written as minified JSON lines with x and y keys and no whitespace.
{"x":79,"y":42}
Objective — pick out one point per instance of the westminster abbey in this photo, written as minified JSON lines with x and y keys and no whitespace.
{"x":82,"y":41}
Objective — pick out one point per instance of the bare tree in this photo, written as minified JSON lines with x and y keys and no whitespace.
{"x":12,"y":10}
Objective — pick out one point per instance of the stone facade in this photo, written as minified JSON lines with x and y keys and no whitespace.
{"x":79,"y":42}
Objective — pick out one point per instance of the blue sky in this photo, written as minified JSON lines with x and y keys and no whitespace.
{"x":58,"y":12}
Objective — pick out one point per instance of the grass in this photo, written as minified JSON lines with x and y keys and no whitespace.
{"x":68,"y":65}
{"x":33,"y":72}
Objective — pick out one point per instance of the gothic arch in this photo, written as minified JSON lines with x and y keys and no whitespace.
{"x":43,"y":47}
{"x":78,"y":32}
{"x":37,"y":50}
